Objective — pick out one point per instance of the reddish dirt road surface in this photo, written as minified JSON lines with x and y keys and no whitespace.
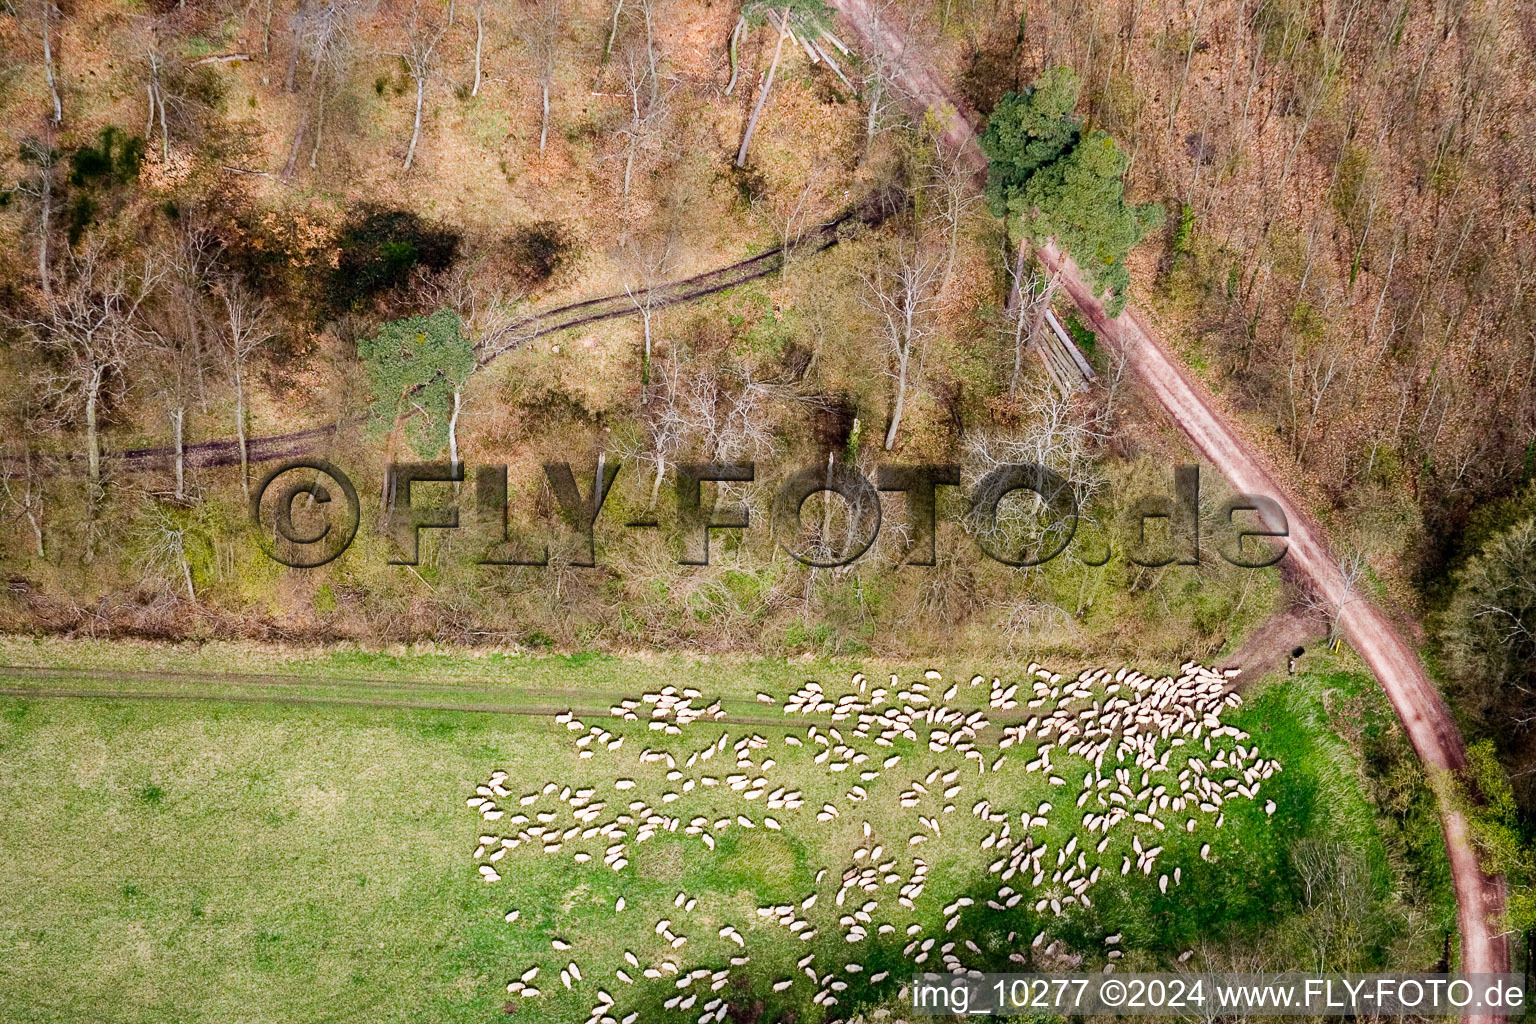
{"x":1480,"y":897}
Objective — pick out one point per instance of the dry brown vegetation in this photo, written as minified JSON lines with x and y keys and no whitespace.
{"x":1349,"y":226}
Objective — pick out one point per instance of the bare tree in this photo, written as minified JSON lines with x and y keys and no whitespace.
{"x":94,"y":331}
{"x":882,"y":91}
{"x":40,"y":155}
{"x":1189,"y":59}
{"x":155,"y":87}
{"x":1017,"y":312}
{"x":1352,"y":568}
{"x":902,"y":297}
{"x":177,"y":328}
{"x":1311,"y":373}
{"x":1057,"y":433}
{"x":247,"y":328}
{"x":48,"y":72}
{"x":543,"y":40}
{"x":29,"y":502}
{"x":951,"y":180}
{"x":649,"y":110}
{"x":653,"y":258}
{"x":422,"y":34}
{"x":164,"y":543}
{"x":792,"y":211}
{"x":327,"y":37}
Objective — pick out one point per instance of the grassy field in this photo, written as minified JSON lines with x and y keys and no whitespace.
{"x":208,"y":859}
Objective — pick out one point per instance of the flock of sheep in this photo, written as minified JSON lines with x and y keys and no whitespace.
{"x":1153,"y":753}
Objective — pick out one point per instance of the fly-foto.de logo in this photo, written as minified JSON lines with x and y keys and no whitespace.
{"x":306,"y":513}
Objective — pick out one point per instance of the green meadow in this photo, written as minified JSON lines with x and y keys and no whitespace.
{"x":230,"y":847}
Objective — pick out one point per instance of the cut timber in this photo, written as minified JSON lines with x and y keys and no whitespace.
{"x":1084,"y":370}
{"x":1066,"y":365}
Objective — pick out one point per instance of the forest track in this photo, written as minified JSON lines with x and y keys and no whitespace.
{"x":521,"y":331}
{"x":1480,"y":897}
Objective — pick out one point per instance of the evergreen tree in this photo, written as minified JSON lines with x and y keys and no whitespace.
{"x":1028,"y":131}
{"x":1053,"y":181}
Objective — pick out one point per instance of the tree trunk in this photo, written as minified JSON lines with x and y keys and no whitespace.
{"x":245,"y":461}
{"x":1015,"y":307}
{"x":266,"y":40}
{"x":661,"y":470}
{"x":314,"y":151}
{"x":290,"y":79}
{"x":92,"y":441}
{"x":1189,"y":59}
{"x":613,"y":30}
{"x":1045,"y":305}
{"x":178,"y":424}
{"x":762,"y":98}
{"x":1382,"y":298}
{"x":479,"y":44}
{"x":186,"y":567}
{"x":871,"y":118}
{"x":645,"y":363}
{"x":410,"y":154}
{"x":1130,"y":36}
{"x":731,"y":50}
{"x":1018,"y":352}
{"x":45,"y":198}
{"x":453,"y":430}
{"x":292,"y":162}
{"x":901,"y":394}
{"x":53,"y":85}
{"x":165,"y":135}
{"x":544,"y":117}
{"x":956,"y":211}
{"x":826,"y":506}
{"x":29,"y":502}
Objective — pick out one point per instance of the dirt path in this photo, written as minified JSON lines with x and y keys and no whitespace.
{"x":1269,"y":645}
{"x":411,"y":694}
{"x":1426,"y":718}
{"x":52,"y":681}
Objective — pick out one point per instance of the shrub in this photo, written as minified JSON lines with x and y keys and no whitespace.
{"x":379,"y":251}
{"x":537,"y":252}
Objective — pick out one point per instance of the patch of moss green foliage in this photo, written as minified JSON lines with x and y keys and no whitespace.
{"x":417,"y":364}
